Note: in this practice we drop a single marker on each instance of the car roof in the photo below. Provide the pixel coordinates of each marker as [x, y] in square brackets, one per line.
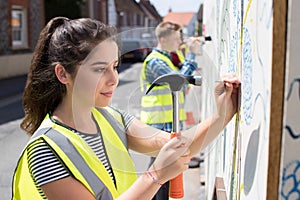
[131, 40]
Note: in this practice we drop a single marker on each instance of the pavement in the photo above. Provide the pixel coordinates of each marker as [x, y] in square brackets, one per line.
[13, 140]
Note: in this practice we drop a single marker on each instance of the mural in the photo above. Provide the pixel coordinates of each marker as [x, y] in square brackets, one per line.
[242, 44]
[255, 103]
[290, 158]
[290, 179]
[243, 39]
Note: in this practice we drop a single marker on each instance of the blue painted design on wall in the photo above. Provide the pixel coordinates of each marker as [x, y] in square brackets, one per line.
[233, 52]
[234, 3]
[265, 13]
[292, 133]
[296, 80]
[247, 77]
[290, 178]
[290, 130]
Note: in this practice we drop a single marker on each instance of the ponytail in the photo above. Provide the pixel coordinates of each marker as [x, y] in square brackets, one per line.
[37, 90]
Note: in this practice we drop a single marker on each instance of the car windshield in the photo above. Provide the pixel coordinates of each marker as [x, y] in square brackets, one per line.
[130, 46]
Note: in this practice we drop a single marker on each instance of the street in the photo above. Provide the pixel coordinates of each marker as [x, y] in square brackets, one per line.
[11, 92]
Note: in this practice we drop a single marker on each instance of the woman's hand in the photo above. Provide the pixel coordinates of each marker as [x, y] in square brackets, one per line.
[227, 93]
[172, 159]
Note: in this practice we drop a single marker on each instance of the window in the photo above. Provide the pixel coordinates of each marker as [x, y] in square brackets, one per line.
[19, 27]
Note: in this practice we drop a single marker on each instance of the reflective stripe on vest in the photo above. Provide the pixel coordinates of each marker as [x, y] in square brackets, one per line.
[180, 55]
[81, 160]
[121, 162]
[111, 115]
[89, 178]
[157, 105]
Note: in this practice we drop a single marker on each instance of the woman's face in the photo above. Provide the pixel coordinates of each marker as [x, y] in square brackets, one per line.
[97, 77]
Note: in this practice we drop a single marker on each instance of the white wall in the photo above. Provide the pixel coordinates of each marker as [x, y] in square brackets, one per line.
[290, 157]
[241, 34]
[14, 65]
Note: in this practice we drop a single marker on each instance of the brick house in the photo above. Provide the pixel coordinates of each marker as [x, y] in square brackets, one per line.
[153, 18]
[20, 24]
[22, 21]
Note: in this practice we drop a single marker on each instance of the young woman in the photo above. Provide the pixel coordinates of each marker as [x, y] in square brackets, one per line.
[79, 144]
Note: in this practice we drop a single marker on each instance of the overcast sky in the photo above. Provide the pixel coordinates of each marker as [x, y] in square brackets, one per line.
[162, 6]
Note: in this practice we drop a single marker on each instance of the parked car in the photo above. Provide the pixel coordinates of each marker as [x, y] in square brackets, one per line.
[135, 50]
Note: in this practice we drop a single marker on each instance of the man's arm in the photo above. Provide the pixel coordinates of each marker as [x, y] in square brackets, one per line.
[157, 67]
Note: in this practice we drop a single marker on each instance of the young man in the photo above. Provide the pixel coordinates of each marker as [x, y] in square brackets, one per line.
[157, 106]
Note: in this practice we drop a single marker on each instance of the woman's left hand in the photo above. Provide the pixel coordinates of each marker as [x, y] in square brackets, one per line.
[227, 93]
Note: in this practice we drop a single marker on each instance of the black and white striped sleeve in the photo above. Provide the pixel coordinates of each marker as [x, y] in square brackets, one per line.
[44, 165]
[127, 118]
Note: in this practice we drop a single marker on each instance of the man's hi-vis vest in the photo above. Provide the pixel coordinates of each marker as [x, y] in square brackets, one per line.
[157, 105]
[180, 55]
[182, 52]
[80, 159]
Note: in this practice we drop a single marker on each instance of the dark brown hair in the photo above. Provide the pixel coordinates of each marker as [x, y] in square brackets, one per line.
[62, 41]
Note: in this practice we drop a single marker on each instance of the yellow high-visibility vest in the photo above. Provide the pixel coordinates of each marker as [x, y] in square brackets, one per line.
[157, 104]
[80, 159]
[182, 52]
[180, 55]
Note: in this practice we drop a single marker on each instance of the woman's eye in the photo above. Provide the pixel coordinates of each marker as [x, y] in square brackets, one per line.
[101, 70]
[116, 67]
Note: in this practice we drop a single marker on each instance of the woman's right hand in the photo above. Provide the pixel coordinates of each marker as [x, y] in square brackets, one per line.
[172, 159]
[227, 97]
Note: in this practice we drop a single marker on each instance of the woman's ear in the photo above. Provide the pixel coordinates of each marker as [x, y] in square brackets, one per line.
[61, 74]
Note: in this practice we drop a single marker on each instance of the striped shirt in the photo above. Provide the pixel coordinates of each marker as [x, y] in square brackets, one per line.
[45, 166]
